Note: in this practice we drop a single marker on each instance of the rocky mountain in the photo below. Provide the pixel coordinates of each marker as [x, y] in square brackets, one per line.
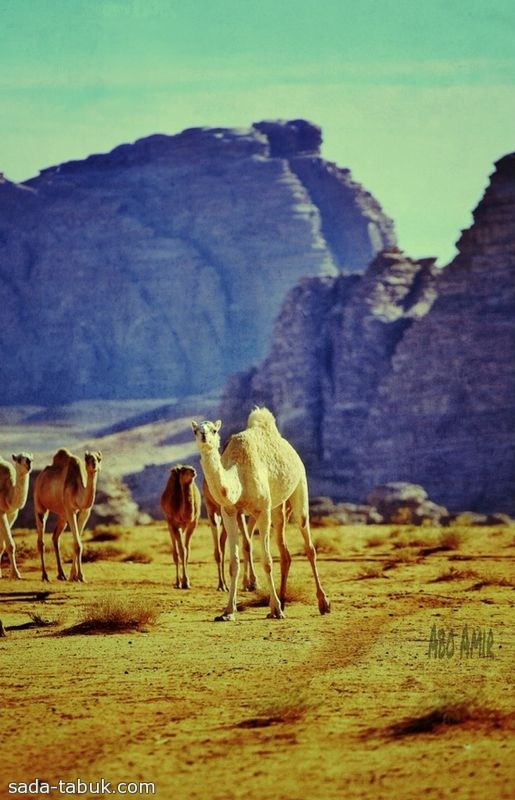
[406, 373]
[157, 269]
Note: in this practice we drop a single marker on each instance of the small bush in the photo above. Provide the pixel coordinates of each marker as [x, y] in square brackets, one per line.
[328, 543]
[448, 713]
[105, 553]
[491, 580]
[115, 615]
[138, 557]
[370, 571]
[106, 533]
[376, 540]
[453, 574]
[286, 710]
[451, 539]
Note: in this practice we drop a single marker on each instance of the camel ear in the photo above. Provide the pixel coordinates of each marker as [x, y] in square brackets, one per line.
[217, 425]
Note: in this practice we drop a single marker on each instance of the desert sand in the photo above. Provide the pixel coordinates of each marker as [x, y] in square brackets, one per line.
[379, 699]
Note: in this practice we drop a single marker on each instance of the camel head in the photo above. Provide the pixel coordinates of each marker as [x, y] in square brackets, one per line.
[206, 433]
[24, 460]
[93, 461]
[185, 473]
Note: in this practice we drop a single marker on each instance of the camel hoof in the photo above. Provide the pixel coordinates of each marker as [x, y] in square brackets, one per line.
[62, 577]
[275, 613]
[324, 606]
[225, 618]
[45, 578]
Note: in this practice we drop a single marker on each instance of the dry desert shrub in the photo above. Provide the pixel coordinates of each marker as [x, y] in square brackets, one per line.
[112, 614]
[106, 533]
[457, 712]
[323, 522]
[102, 553]
[417, 538]
[453, 574]
[404, 555]
[376, 540]
[492, 580]
[371, 571]
[451, 539]
[138, 557]
[328, 543]
[289, 708]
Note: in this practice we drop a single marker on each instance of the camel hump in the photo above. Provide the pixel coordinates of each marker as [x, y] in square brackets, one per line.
[61, 458]
[75, 474]
[7, 475]
[261, 417]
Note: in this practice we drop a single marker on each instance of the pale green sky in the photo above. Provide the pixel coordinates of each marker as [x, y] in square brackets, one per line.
[417, 98]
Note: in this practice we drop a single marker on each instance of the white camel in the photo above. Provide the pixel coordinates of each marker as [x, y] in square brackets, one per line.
[14, 488]
[66, 488]
[219, 533]
[257, 473]
[180, 503]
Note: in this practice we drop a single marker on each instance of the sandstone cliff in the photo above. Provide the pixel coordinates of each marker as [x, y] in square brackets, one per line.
[406, 373]
[158, 269]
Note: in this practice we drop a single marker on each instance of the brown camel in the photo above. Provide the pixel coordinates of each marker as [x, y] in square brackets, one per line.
[14, 487]
[66, 488]
[180, 503]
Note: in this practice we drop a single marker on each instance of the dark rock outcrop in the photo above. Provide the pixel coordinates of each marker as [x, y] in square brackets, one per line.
[406, 373]
[157, 269]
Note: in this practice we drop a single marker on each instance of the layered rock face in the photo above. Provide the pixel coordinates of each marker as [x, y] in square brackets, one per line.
[406, 373]
[158, 269]
[445, 413]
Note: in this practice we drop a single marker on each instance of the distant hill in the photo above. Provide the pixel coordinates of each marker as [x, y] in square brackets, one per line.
[405, 373]
[157, 269]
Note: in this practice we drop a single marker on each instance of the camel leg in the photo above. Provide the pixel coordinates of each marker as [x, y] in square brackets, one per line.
[229, 519]
[9, 544]
[59, 528]
[174, 534]
[76, 570]
[278, 522]
[263, 523]
[250, 581]
[217, 531]
[300, 509]
[184, 551]
[41, 518]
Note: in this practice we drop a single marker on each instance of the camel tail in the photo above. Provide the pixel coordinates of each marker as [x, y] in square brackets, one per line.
[261, 417]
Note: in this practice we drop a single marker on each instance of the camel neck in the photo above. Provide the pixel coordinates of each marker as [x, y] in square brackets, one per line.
[21, 489]
[224, 484]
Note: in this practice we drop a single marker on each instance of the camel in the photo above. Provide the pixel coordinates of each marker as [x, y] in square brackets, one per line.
[214, 516]
[180, 503]
[14, 488]
[66, 488]
[257, 473]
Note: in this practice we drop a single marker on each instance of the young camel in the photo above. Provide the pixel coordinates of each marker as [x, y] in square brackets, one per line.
[257, 473]
[214, 516]
[180, 503]
[14, 488]
[66, 488]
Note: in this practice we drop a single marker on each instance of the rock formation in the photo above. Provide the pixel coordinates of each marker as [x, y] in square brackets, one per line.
[406, 373]
[157, 269]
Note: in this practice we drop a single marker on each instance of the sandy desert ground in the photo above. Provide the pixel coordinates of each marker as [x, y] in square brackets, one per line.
[362, 703]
